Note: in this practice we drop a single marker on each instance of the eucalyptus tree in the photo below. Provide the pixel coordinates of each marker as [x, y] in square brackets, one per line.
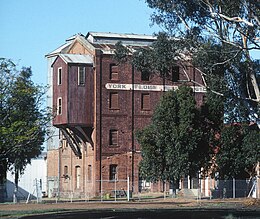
[24, 119]
[231, 26]
[239, 151]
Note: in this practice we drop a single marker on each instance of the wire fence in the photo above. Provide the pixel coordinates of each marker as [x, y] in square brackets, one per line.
[114, 190]
[119, 190]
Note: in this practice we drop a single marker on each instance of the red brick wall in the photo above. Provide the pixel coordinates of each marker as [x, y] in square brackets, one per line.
[127, 153]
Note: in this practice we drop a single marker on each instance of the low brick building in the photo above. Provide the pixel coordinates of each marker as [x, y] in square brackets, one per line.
[98, 106]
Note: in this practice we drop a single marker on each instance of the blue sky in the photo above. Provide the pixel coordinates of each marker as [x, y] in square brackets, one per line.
[32, 28]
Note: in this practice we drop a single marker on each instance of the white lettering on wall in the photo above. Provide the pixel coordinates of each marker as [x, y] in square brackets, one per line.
[148, 87]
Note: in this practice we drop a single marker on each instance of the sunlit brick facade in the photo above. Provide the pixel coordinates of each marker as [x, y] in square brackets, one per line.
[98, 106]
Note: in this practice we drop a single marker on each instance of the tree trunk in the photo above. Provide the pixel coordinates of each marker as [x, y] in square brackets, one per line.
[3, 170]
[16, 177]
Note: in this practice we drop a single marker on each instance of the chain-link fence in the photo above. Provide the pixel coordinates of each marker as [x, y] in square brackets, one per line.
[114, 190]
[203, 189]
[229, 188]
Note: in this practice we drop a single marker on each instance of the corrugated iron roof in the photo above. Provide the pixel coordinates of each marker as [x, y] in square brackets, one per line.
[121, 35]
[103, 40]
[76, 58]
[113, 38]
[59, 49]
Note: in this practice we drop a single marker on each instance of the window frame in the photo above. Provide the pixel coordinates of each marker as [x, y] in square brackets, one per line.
[59, 76]
[59, 106]
[112, 104]
[113, 172]
[113, 142]
[89, 173]
[77, 177]
[81, 77]
[113, 76]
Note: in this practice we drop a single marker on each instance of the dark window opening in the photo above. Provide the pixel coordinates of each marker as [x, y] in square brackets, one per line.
[145, 76]
[113, 137]
[81, 76]
[113, 172]
[175, 73]
[59, 76]
[59, 108]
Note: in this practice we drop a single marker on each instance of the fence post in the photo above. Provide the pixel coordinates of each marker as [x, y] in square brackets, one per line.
[234, 188]
[70, 190]
[101, 195]
[128, 187]
[115, 189]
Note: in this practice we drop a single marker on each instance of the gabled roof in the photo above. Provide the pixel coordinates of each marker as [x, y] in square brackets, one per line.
[104, 41]
[62, 49]
[82, 40]
[75, 59]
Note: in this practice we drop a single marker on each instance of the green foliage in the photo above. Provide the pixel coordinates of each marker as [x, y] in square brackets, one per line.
[121, 52]
[239, 151]
[23, 118]
[218, 35]
[173, 140]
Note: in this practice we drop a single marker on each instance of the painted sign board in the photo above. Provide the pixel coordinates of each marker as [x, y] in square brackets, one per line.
[149, 87]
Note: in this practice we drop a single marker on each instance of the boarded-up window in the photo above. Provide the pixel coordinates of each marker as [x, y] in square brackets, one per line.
[113, 72]
[59, 76]
[113, 101]
[59, 106]
[113, 172]
[145, 102]
[81, 76]
[89, 172]
[175, 73]
[113, 137]
[65, 170]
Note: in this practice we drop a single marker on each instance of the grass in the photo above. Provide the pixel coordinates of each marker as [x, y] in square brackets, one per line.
[22, 213]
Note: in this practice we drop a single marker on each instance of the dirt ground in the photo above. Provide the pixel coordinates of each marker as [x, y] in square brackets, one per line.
[148, 204]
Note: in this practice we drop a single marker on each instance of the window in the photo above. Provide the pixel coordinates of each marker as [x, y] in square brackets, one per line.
[113, 101]
[113, 137]
[89, 172]
[113, 72]
[145, 102]
[77, 171]
[175, 73]
[81, 76]
[145, 76]
[113, 172]
[59, 79]
[65, 172]
[59, 106]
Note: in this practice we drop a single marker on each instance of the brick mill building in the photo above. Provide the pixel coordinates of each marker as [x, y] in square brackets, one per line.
[98, 106]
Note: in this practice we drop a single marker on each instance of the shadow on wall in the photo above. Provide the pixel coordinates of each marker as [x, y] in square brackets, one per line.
[7, 192]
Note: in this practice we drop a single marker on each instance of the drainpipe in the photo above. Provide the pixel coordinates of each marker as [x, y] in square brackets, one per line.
[100, 121]
[133, 146]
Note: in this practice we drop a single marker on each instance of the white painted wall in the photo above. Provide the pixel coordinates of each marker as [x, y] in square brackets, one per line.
[36, 170]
